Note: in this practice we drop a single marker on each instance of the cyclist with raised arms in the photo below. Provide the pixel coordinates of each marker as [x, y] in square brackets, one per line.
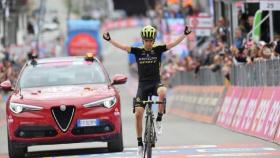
[148, 58]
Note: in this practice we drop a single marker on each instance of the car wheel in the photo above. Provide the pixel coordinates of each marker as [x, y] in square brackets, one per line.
[117, 144]
[16, 151]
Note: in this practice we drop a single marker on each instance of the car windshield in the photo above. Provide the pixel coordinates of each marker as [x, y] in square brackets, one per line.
[59, 74]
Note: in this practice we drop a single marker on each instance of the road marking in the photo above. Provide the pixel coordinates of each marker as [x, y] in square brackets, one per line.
[205, 146]
[205, 151]
[219, 150]
[236, 154]
[241, 145]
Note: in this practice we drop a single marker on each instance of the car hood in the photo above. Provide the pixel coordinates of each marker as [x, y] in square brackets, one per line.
[65, 93]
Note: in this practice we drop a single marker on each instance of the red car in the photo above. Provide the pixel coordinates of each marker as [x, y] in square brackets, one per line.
[63, 100]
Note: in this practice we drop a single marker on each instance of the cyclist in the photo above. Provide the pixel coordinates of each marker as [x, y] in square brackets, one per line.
[148, 58]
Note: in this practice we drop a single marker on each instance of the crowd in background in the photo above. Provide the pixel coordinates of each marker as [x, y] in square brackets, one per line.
[218, 55]
[13, 57]
[9, 68]
[10, 65]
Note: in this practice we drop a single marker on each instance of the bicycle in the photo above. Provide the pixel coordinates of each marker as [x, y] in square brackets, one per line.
[150, 136]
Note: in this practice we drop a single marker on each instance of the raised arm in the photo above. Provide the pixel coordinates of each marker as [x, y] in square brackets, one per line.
[179, 39]
[107, 37]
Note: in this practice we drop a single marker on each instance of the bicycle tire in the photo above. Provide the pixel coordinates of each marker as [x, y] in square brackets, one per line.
[148, 137]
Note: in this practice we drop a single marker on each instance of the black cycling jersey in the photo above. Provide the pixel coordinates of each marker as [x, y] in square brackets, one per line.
[148, 62]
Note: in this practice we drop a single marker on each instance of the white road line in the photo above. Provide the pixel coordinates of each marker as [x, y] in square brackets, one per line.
[233, 155]
[269, 149]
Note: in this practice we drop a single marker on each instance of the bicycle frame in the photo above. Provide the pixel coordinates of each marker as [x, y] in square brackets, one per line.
[150, 133]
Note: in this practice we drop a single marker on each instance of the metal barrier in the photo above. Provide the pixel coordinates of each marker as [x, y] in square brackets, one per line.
[204, 76]
[260, 73]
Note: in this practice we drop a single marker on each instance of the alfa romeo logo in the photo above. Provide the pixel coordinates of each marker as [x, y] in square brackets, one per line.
[62, 107]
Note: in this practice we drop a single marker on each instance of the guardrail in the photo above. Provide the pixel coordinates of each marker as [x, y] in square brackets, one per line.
[251, 105]
[204, 76]
[260, 73]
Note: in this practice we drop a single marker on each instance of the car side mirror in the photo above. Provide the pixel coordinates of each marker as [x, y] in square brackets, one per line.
[6, 85]
[119, 79]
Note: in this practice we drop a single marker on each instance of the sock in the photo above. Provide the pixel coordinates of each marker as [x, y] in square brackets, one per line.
[140, 142]
[159, 117]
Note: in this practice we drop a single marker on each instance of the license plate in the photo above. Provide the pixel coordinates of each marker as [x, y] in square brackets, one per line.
[87, 122]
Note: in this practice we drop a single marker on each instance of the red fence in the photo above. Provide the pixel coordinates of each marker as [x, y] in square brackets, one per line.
[251, 110]
[197, 102]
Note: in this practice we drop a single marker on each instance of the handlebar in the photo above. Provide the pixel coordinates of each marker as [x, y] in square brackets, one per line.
[149, 102]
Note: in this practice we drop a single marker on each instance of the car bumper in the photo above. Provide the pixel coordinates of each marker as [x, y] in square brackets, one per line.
[104, 138]
[40, 127]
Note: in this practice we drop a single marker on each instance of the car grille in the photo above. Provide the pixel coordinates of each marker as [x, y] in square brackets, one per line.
[63, 116]
[35, 131]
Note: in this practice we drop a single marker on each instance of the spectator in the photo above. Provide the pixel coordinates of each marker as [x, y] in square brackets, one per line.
[239, 39]
[191, 63]
[252, 52]
[239, 56]
[6, 71]
[243, 24]
[221, 30]
[268, 51]
[261, 47]
[227, 67]
[250, 24]
[277, 48]
[216, 66]
[209, 53]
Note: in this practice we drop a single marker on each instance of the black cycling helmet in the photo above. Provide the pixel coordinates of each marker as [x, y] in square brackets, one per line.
[149, 32]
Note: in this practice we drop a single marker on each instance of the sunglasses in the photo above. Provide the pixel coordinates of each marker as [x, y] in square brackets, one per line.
[148, 40]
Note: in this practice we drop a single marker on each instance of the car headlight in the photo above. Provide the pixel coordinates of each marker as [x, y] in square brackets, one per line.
[18, 108]
[107, 102]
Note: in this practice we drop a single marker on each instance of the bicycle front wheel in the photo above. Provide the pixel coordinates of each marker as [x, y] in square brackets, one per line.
[148, 137]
